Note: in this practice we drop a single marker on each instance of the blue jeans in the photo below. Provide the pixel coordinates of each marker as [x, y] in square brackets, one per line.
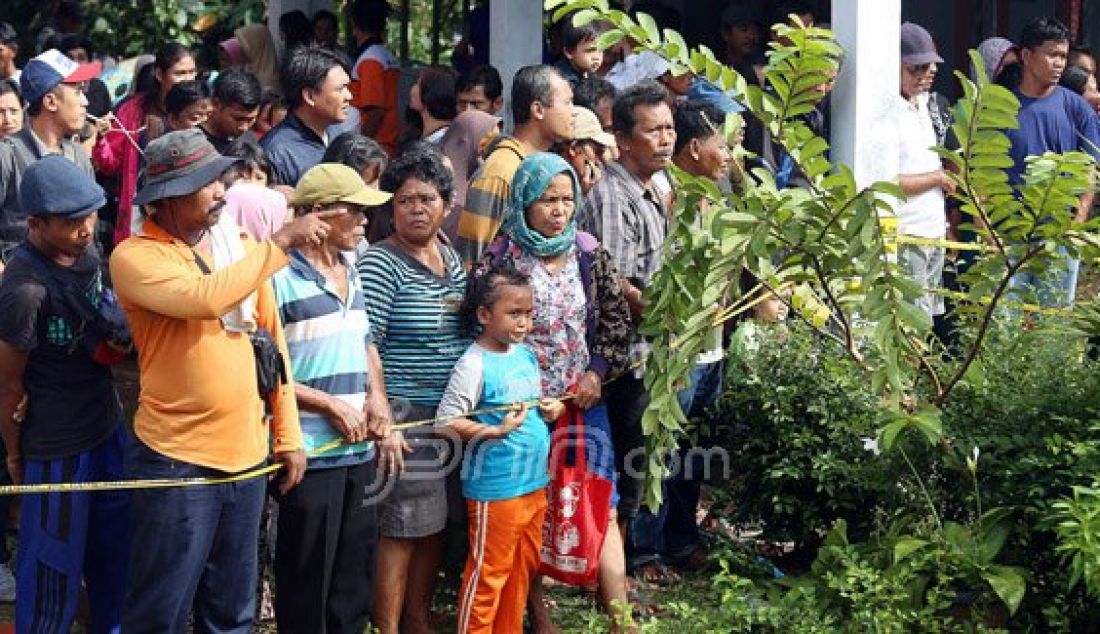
[69, 538]
[194, 549]
[1056, 289]
[672, 531]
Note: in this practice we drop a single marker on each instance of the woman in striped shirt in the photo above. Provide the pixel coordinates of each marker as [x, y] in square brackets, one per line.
[413, 284]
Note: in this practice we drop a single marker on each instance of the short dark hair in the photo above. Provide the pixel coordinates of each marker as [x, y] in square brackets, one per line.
[251, 154]
[1076, 53]
[797, 7]
[369, 15]
[184, 94]
[1075, 78]
[591, 90]
[1042, 29]
[325, 14]
[424, 162]
[238, 87]
[644, 93]
[531, 84]
[696, 120]
[573, 36]
[8, 34]
[356, 151]
[69, 41]
[437, 92]
[307, 67]
[296, 28]
[486, 76]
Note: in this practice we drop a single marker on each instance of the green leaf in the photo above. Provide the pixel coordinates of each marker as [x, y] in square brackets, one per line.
[609, 38]
[1009, 584]
[653, 33]
[906, 546]
[889, 435]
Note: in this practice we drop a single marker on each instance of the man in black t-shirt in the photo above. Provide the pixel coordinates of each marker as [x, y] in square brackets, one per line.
[70, 431]
[237, 96]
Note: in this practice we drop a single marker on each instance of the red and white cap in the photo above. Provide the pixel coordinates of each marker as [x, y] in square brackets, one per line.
[51, 68]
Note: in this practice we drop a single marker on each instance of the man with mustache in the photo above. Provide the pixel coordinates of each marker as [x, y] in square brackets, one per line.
[671, 535]
[197, 294]
[920, 172]
[627, 211]
[1052, 119]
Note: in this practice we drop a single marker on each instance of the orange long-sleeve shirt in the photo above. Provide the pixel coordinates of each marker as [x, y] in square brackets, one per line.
[199, 401]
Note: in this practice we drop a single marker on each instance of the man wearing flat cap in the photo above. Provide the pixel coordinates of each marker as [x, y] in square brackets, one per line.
[197, 295]
[71, 431]
[328, 526]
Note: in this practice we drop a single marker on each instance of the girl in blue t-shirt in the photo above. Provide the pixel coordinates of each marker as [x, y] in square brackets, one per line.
[504, 473]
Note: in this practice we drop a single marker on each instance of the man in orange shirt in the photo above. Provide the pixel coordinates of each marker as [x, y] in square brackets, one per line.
[195, 293]
[374, 77]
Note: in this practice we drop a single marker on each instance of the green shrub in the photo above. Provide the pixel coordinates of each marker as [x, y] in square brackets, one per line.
[797, 420]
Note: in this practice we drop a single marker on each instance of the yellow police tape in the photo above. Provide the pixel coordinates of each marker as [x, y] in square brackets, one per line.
[167, 483]
[947, 244]
[733, 311]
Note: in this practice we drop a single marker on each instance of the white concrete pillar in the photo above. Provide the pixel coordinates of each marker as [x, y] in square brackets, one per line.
[515, 40]
[864, 115]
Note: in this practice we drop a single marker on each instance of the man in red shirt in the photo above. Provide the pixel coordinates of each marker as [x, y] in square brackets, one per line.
[375, 74]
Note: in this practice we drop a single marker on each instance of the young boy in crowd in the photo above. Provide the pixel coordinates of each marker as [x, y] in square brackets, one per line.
[581, 57]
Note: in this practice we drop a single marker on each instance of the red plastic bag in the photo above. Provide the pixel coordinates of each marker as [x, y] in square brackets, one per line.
[579, 507]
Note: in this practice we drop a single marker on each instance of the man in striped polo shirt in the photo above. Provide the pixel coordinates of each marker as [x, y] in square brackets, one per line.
[328, 525]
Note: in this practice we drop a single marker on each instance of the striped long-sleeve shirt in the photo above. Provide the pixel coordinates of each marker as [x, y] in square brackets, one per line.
[414, 319]
[487, 200]
[327, 337]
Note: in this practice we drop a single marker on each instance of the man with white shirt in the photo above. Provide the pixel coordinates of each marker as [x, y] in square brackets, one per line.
[920, 172]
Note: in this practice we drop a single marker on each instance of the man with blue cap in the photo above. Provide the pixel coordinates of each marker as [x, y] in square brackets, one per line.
[52, 293]
[53, 87]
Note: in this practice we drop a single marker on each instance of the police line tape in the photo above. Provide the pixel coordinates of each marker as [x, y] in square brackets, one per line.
[725, 315]
[170, 483]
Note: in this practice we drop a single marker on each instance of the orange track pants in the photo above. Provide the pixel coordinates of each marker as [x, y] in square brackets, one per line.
[505, 539]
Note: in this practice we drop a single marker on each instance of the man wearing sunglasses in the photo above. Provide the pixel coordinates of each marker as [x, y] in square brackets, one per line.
[53, 87]
[920, 172]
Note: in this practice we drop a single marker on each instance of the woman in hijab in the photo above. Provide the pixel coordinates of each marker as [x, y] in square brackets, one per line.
[579, 329]
[470, 133]
[1000, 59]
[256, 44]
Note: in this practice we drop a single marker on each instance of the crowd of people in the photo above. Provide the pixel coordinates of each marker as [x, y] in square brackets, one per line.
[416, 315]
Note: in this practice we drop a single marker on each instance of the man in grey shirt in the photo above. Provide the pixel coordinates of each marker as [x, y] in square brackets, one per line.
[53, 86]
[627, 211]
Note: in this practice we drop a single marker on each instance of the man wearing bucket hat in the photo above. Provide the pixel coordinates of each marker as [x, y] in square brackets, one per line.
[328, 525]
[53, 87]
[71, 431]
[197, 294]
